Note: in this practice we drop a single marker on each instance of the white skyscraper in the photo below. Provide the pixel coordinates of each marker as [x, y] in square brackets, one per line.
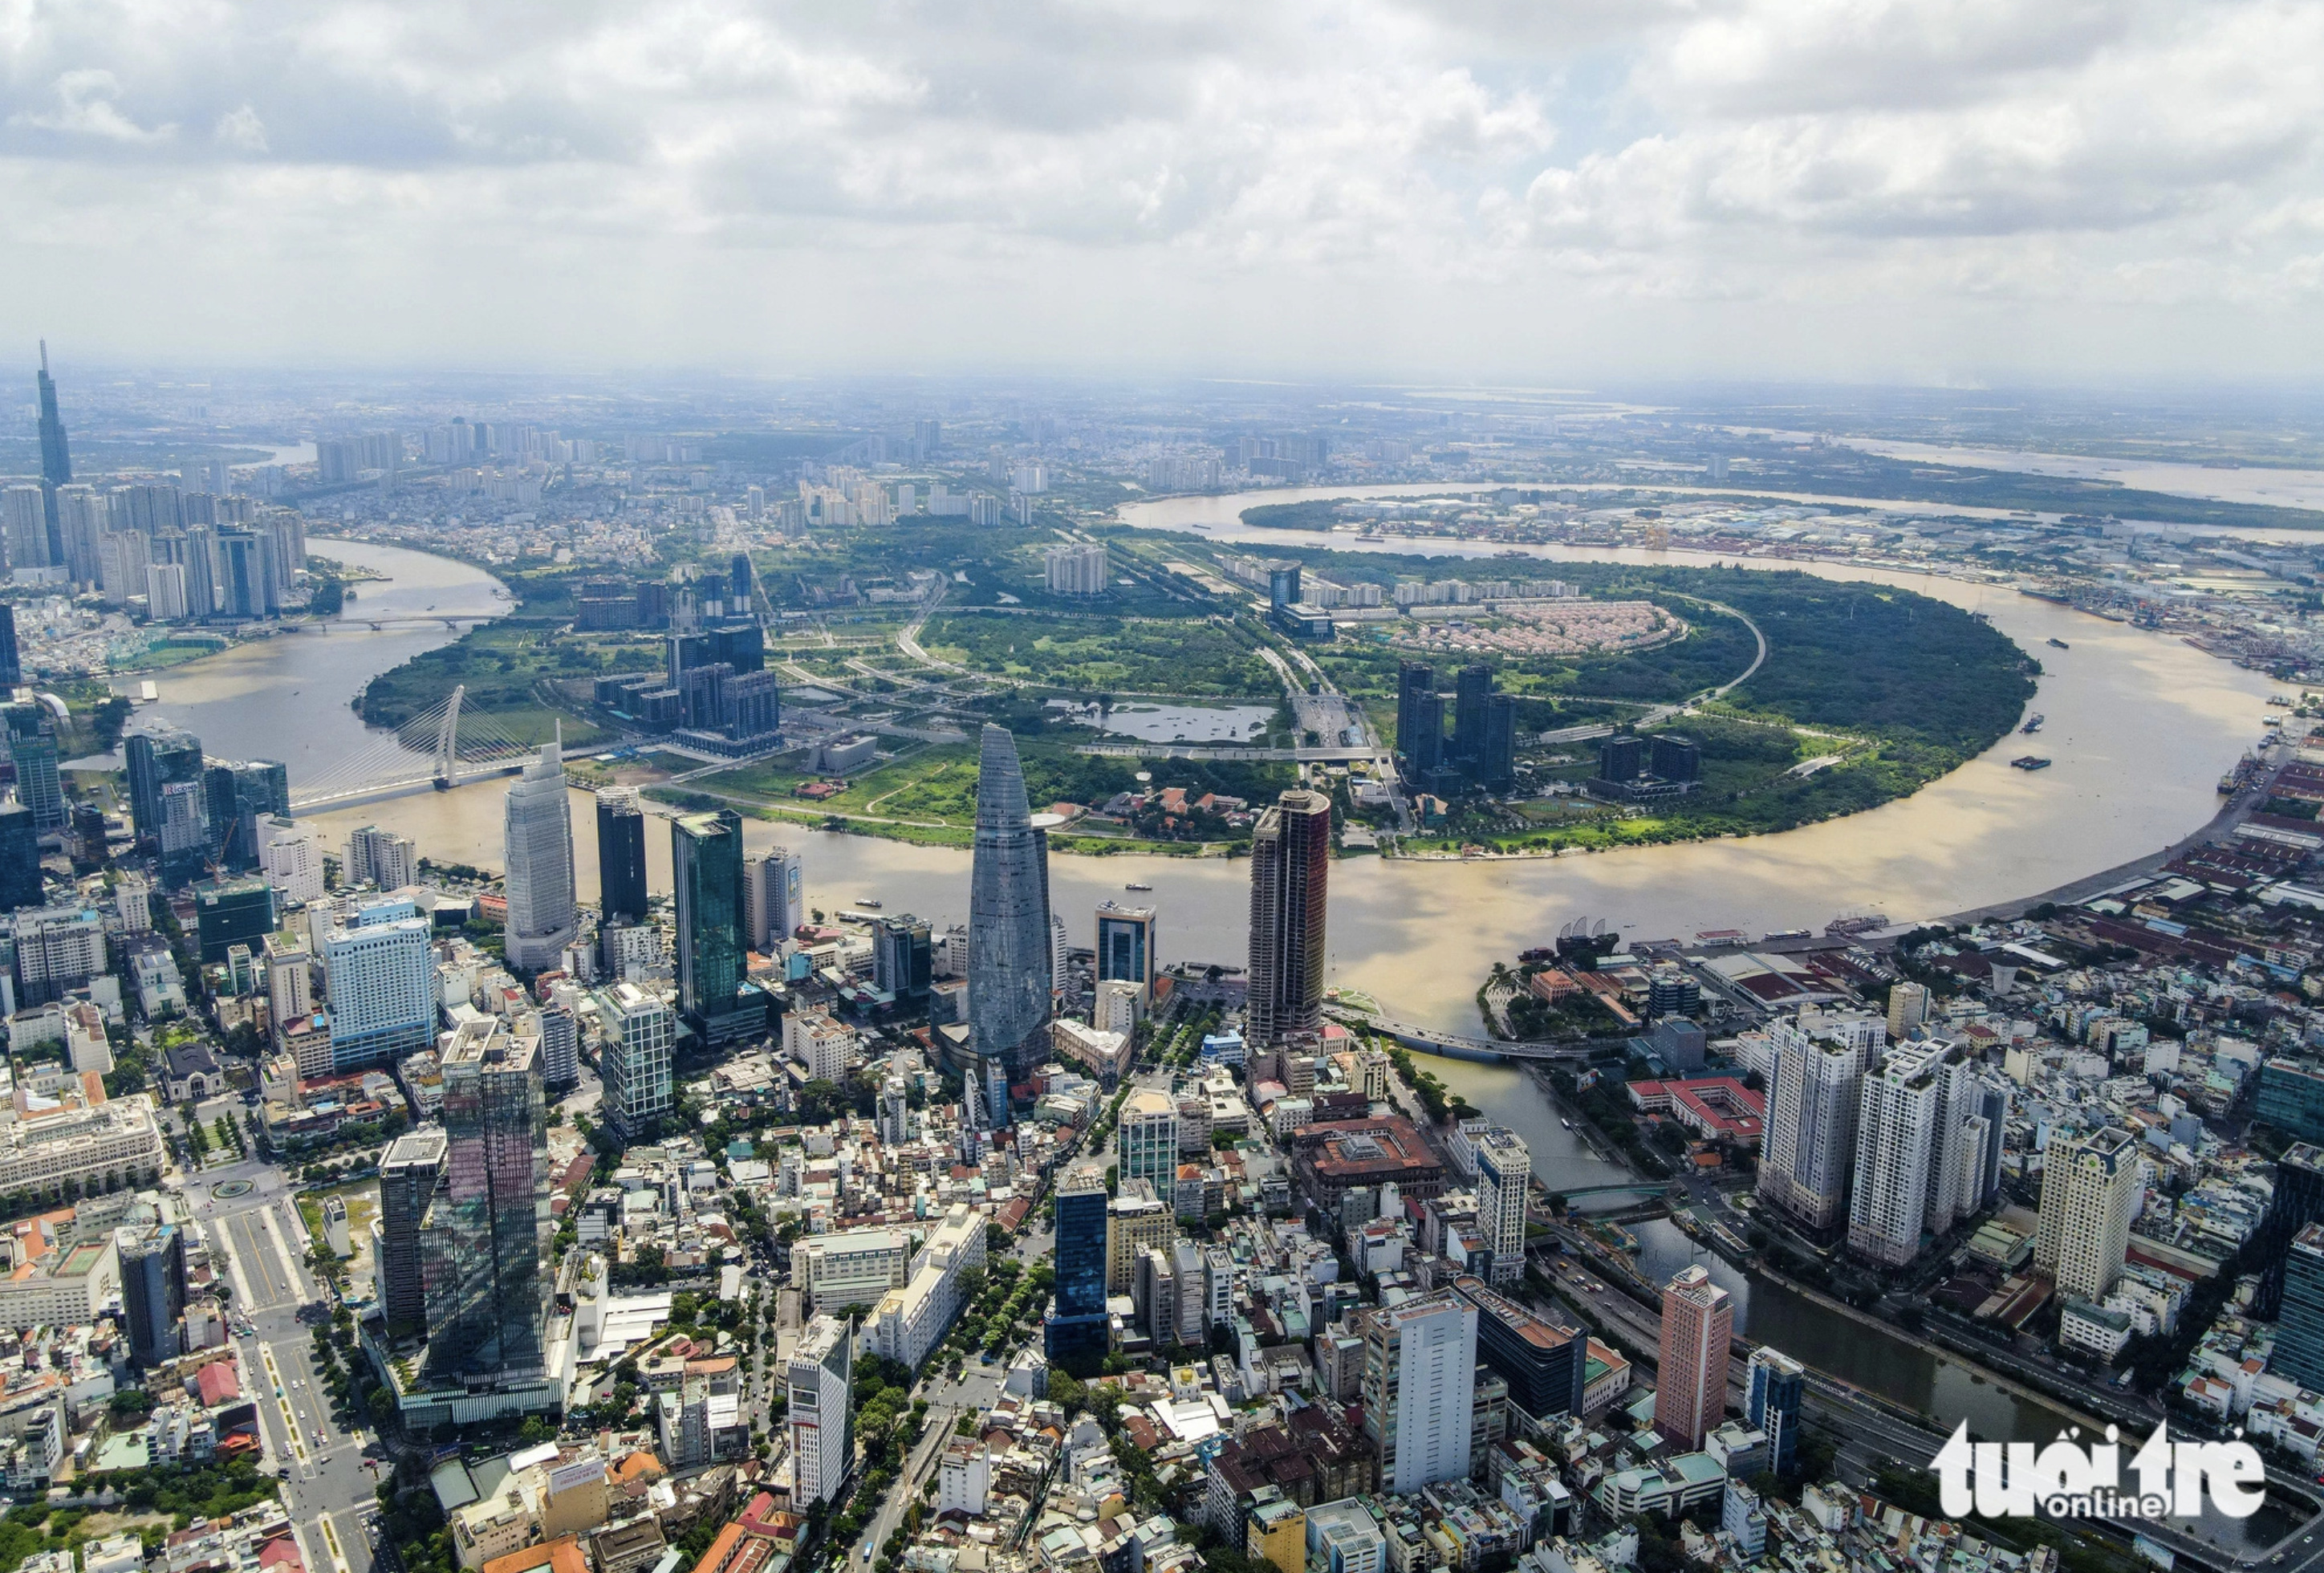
[775, 901]
[1504, 1165]
[1896, 1130]
[820, 1376]
[2090, 1191]
[538, 823]
[375, 856]
[381, 982]
[1419, 1386]
[1812, 1102]
[1148, 1140]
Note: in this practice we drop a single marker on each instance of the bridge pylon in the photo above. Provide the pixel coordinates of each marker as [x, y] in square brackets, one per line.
[448, 742]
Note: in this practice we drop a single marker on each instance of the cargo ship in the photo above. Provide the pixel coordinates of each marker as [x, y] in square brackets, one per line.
[2029, 762]
[2033, 725]
[2059, 645]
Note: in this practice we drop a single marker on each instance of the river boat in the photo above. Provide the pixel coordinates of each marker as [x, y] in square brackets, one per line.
[869, 901]
[2029, 762]
[2033, 725]
[1567, 1124]
[2059, 645]
[1134, 884]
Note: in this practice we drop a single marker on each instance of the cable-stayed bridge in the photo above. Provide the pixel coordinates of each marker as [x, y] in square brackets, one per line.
[442, 748]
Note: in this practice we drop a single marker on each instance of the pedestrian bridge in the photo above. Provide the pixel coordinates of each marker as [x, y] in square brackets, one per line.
[440, 748]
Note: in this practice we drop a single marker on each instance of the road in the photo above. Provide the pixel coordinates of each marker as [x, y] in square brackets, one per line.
[330, 1474]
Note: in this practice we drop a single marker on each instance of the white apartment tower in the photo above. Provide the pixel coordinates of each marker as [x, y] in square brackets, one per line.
[1895, 1132]
[1419, 1385]
[1504, 1165]
[820, 1377]
[1078, 568]
[377, 857]
[1813, 1098]
[543, 915]
[2090, 1190]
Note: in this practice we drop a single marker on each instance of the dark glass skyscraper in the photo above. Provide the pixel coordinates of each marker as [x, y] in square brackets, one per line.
[408, 1178]
[485, 1235]
[1009, 959]
[706, 855]
[621, 854]
[56, 456]
[1495, 765]
[236, 796]
[156, 759]
[153, 1290]
[20, 856]
[12, 662]
[1076, 1335]
[1469, 689]
[2299, 1201]
[1290, 867]
[1419, 715]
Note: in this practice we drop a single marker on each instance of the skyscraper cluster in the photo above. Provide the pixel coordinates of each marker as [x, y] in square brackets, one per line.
[184, 554]
[1482, 752]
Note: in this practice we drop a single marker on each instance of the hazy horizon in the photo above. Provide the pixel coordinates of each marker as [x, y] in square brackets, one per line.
[1843, 191]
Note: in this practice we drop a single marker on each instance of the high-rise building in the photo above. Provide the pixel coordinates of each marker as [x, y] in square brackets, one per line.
[706, 858]
[1076, 569]
[1471, 685]
[55, 454]
[775, 902]
[1148, 1135]
[1773, 1392]
[376, 857]
[291, 857]
[1125, 947]
[1494, 765]
[153, 1260]
[408, 1178]
[19, 856]
[2300, 1327]
[1895, 1134]
[1419, 1382]
[903, 958]
[1504, 1168]
[24, 528]
[380, 979]
[1136, 1220]
[12, 662]
[536, 827]
[1419, 717]
[2091, 1186]
[228, 913]
[1546, 1365]
[820, 1378]
[1690, 1374]
[484, 1242]
[1290, 870]
[621, 854]
[1908, 1007]
[1813, 1098]
[2299, 1201]
[1076, 1336]
[235, 796]
[641, 1034]
[1010, 977]
[32, 746]
[289, 980]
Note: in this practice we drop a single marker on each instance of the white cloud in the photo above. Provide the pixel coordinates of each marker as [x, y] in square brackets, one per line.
[1445, 184]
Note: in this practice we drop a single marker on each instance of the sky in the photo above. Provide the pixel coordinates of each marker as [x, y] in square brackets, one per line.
[1897, 191]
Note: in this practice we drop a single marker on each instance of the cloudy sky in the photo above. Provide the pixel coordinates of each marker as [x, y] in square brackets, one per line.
[1923, 191]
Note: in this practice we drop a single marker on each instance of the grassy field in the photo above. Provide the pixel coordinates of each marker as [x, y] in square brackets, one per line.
[1099, 654]
[523, 672]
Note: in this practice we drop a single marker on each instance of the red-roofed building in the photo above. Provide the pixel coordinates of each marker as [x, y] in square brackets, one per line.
[282, 1552]
[1717, 1108]
[218, 1383]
